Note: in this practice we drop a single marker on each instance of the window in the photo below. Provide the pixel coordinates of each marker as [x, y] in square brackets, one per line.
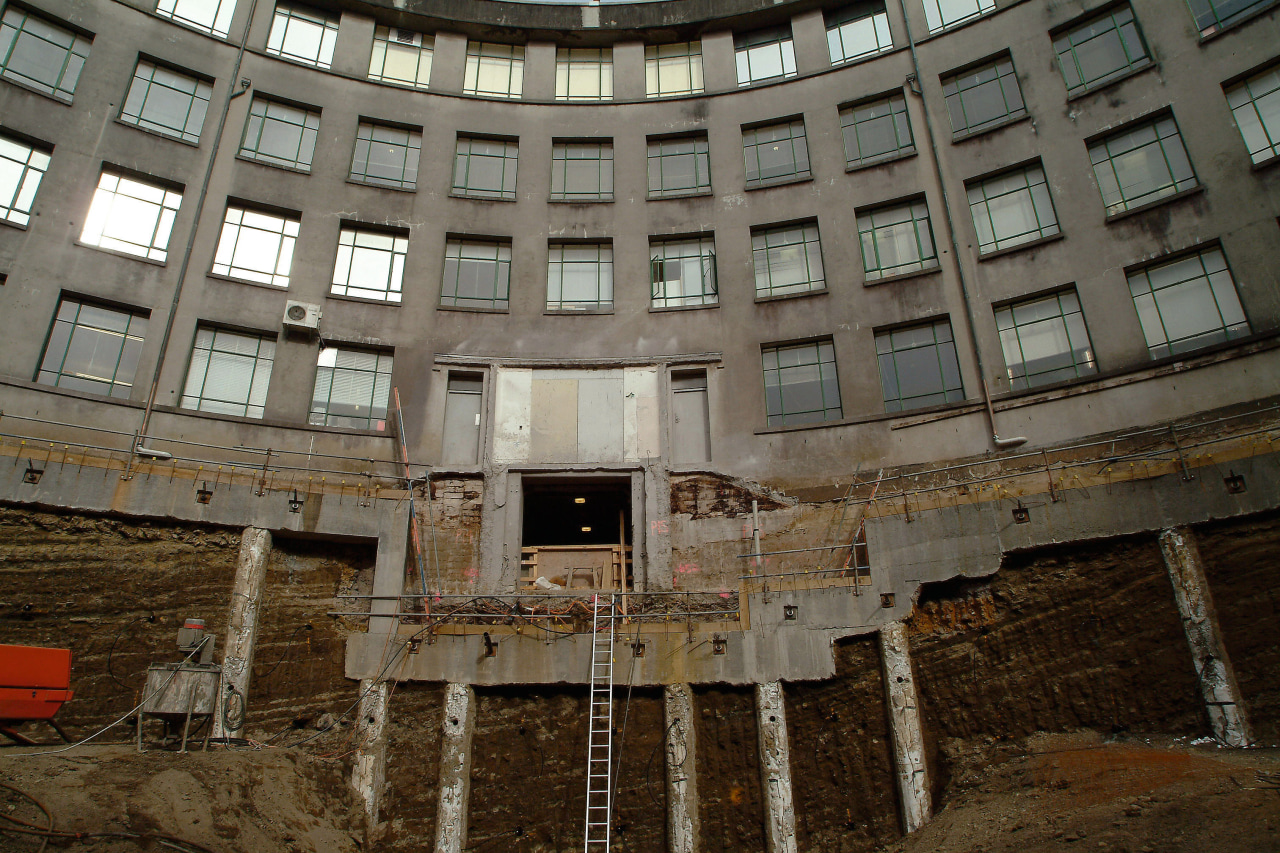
[1045, 340]
[775, 153]
[168, 102]
[370, 264]
[800, 384]
[402, 57]
[303, 34]
[673, 69]
[352, 387]
[787, 260]
[1187, 303]
[477, 274]
[1141, 165]
[1100, 49]
[858, 31]
[896, 240]
[255, 246]
[485, 168]
[21, 168]
[386, 156]
[1012, 208]
[580, 277]
[876, 130]
[584, 74]
[229, 372]
[92, 348]
[212, 16]
[940, 14]
[918, 367]
[679, 166]
[1213, 15]
[682, 273]
[494, 70]
[281, 135]
[983, 97]
[764, 55]
[131, 216]
[582, 171]
[38, 53]
[1256, 105]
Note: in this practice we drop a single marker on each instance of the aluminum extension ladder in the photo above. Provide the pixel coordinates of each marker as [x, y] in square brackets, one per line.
[600, 728]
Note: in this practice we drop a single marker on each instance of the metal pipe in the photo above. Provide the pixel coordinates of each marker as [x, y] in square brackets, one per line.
[795, 551]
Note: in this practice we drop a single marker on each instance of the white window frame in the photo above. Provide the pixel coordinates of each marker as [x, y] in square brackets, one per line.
[224, 356]
[131, 216]
[563, 256]
[758, 54]
[1200, 281]
[362, 377]
[107, 341]
[165, 83]
[693, 262]
[303, 34]
[370, 264]
[394, 47]
[673, 70]
[486, 63]
[1259, 127]
[256, 246]
[584, 73]
[22, 167]
[1012, 208]
[853, 34]
[896, 239]
[211, 16]
[22, 30]
[941, 14]
[779, 247]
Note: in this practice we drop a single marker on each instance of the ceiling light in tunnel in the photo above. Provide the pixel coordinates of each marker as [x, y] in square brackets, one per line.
[579, 500]
[586, 529]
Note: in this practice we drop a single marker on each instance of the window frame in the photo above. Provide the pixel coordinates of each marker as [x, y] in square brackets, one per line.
[455, 249]
[19, 200]
[197, 103]
[75, 51]
[868, 217]
[122, 196]
[380, 388]
[560, 168]
[701, 155]
[775, 403]
[950, 393]
[983, 191]
[308, 19]
[571, 59]
[556, 267]
[809, 245]
[1085, 29]
[219, 24]
[1010, 329]
[1100, 153]
[264, 341]
[367, 133]
[510, 157]
[129, 333]
[676, 251]
[382, 36]
[1270, 133]
[896, 102]
[1207, 336]
[752, 47]
[797, 142]
[287, 235]
[682, 59]
[268, 115]
[972, 78]
[483, 53]
[360, 248]
[1217, 23]
[842, 25]
[936, 18]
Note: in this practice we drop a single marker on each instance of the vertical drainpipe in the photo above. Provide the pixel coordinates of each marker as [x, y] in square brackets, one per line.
[235, 80]
[917, 88]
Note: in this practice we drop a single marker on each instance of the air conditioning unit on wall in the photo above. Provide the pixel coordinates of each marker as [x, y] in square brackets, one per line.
[301, 316]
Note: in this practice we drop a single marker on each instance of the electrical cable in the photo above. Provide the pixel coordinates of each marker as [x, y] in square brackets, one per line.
[304, 627]
[232, 722]
[648, 767]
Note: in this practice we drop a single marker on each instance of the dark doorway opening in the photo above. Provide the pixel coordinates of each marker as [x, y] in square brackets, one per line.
[576, 511]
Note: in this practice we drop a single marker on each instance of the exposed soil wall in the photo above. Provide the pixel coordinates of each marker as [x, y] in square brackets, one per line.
[1075, 637]
[640, 795]
[115, 592]
[298, 666]
[413, 766]
[730, 800]
[1242, 564]
[842, 756]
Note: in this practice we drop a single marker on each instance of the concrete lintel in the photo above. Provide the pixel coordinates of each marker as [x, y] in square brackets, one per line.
[1213, 667]
[682, 774]
[905, 724]
[368, 773]
[242, 627]
[775, 768]
[455, 768]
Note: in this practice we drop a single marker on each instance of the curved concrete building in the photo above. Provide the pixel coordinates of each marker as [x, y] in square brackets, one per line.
[804, 335]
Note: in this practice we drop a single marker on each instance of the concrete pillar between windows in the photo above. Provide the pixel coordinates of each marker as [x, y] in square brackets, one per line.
[242, 632]
[682, 776]
[905, 724]
[775, 768]
[368, 774]
[455, 768]
[1200, 621]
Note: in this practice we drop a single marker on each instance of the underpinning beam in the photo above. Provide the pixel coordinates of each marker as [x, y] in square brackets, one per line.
[1217, 678]
[904, 722]
[682, 778]
[242, 631]
[455, 768]
[775, 768]
[368, 774]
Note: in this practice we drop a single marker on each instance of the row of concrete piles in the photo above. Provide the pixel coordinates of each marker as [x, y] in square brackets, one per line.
[1182, 558]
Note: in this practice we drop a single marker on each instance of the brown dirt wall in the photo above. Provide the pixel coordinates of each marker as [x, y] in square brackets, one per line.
[842, 756]
[413, 766]
[1242, 564]
[730, 797]
[1085, 636]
